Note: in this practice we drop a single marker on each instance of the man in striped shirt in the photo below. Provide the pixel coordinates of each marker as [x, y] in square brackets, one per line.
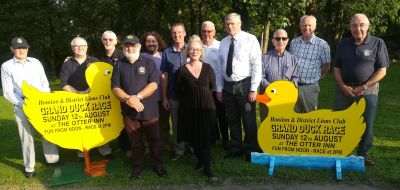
[314, 59]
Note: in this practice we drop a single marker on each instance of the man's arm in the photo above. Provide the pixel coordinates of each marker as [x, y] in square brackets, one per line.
[164, 90]
[376, 77]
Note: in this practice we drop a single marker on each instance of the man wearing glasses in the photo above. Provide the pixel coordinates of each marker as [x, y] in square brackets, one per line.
[211, 47]
[277, 64]
[110, 54]
[361, 62]
[314, 59]
[72, 76]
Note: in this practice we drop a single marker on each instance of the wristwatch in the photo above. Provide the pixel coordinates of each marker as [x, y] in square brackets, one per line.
[365, 86]
[139, 97]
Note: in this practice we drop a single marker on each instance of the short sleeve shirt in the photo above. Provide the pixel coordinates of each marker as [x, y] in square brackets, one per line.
[359, 62]
[132, 78]
[72, 73]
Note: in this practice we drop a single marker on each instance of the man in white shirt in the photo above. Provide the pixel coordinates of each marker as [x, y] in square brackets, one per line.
[240, 59]
[211, 48]
[13, 72]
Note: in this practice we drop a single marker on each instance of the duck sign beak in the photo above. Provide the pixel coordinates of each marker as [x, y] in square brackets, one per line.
[263, 98]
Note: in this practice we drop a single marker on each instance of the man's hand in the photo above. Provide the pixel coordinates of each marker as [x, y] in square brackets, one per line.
[252, 96]
[165, 104]
[347, 90]
[359, 90]
[220, 96]
[135, 103]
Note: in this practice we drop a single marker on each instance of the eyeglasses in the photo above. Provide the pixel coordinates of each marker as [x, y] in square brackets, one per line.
[362, 25]
[194, 50]
[79, 46]
[207, 31]
[280, 38]
[108, 39]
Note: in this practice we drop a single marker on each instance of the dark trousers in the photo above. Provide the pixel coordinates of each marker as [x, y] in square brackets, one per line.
[239, 110]
[123, 141]
[165, 127]
[203, 155]
[135, 130]
[222, 129]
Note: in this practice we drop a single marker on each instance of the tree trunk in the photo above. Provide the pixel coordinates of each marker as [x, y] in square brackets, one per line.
[265, 37]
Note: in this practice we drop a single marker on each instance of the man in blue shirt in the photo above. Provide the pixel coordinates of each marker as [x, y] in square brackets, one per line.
[361, 62]
[314, 59]
[171, 60]
[277, 64]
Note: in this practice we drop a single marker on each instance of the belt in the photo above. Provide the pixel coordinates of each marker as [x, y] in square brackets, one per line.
[238, 82]
[303, 84]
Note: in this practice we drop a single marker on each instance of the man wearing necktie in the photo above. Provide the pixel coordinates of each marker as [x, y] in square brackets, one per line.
[237, 83]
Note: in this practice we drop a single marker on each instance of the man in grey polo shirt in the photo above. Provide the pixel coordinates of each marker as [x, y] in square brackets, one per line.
[314, 59]
[361, 62]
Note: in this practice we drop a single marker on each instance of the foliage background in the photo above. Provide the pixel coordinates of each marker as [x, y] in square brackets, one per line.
[50, 25]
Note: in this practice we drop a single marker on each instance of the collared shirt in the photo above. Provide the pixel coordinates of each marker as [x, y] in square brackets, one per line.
[113, 59]
[276, 68]
[157, 60]
[171, 61]
[358, 63]
[72, 73]
[132, 78]
[246, 60]
[312, 55]
[211, 57]
[14, 72]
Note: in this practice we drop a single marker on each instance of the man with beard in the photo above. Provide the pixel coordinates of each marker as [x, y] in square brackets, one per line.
[134, 82]
[153, 47]
[73, 79]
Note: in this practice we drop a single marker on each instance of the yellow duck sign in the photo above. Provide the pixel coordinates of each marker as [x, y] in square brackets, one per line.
[317, 133]
[77, 121]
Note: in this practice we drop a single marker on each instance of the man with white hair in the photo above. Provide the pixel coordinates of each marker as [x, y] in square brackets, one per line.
[361, 62]
[240, 58]
[134, 81]
[73, 79]
[314, 60]
[211, 48]
[13, 72]
[110, 54]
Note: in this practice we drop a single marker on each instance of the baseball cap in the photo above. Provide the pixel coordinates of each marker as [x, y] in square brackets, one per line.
[131, 39]
[19, 42]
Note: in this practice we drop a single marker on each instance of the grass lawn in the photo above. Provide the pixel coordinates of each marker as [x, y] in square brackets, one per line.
[385, 152]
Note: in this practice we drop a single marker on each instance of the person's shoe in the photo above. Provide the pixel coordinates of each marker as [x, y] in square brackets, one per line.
[368, 161]
[135, 175]
[211, 177]
[161, 172]
[54, 164]
[29, 174]
[175, 157]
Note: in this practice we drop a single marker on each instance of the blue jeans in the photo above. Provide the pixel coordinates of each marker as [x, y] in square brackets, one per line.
[371, 99]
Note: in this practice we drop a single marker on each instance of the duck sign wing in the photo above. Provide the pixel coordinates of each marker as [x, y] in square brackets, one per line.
[76, 121]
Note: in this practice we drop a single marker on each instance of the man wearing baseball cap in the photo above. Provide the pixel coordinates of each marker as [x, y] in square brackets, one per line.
[134, 81]
[13, 72]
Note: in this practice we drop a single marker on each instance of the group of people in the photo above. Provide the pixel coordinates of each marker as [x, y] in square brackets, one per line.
[206, 86]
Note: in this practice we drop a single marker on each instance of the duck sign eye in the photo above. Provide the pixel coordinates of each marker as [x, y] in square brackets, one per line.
[274, 91]
[107, 72]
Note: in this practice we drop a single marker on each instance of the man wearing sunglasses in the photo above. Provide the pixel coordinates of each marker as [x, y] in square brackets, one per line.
[314, 59]
[110, 54]
[277, 64]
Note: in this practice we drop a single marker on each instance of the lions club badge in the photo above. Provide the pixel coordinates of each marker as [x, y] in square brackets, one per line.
[367, 52]
[142, 70]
